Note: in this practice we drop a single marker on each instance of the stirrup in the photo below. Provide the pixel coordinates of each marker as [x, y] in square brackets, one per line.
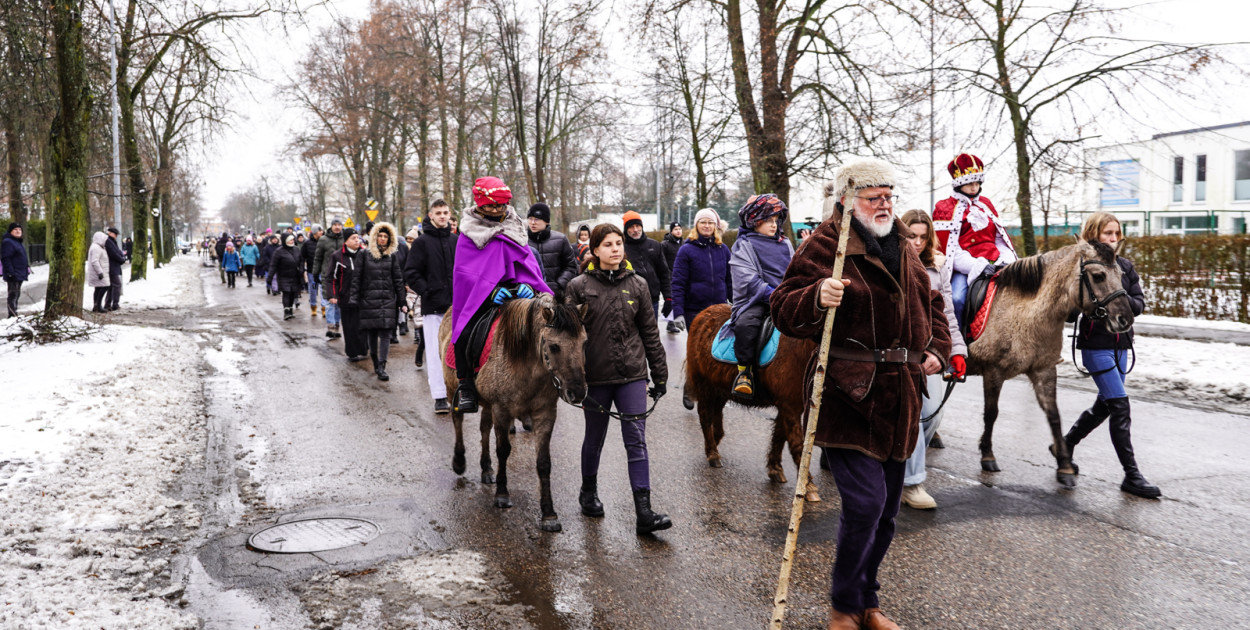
[743, 385]
[466, 397]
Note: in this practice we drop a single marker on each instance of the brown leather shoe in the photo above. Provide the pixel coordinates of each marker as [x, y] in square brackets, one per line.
[874, 619]
[839, 620]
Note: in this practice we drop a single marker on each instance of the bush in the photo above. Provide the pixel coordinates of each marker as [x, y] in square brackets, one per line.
[34, 232]
[1198, 277]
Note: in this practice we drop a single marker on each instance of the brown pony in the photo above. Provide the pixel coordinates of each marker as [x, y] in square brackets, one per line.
[779, 384]
[536, 360]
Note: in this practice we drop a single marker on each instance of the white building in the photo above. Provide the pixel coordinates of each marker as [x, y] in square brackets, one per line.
[1182, 182]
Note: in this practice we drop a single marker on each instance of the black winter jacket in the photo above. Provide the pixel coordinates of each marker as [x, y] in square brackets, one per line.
[622, 337]
[266, 254]
[557, 258]
[378, 290]
[117, 257]
[340, 275]
[1093, 333]
[285, 265]
[308, 253]
[670, 245]
[647, 259]
[431, 261]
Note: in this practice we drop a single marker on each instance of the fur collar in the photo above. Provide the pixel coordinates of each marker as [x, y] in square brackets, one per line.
[481, 230]
[391, 243]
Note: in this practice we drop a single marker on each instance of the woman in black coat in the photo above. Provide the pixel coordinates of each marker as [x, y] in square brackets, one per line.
[379, 293]
[267, 249]
[285, 273]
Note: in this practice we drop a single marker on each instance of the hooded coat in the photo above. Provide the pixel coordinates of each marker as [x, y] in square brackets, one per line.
[647, 258]
[701, 276]
[621, 330]
[757, 264]
[431, 263]
[873, 408]
[670, 245]
[378, 290]
[230, 260]
[98, 261]
[490, 253]
[250, 254]
[284, 265]
[220, 246]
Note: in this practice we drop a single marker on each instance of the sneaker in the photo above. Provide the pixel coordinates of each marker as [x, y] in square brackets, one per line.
[916, 498]
[442, 407]
[743, 386]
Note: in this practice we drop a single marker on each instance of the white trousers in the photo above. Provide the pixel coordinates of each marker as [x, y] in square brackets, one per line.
[433, 362]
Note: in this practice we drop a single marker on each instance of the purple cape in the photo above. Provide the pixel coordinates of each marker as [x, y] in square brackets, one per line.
[479, 271]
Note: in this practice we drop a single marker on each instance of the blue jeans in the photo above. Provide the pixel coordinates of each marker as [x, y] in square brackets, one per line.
[333, 314]
[314, 290]
[959, 294]
[914, 473]
[1110, 383]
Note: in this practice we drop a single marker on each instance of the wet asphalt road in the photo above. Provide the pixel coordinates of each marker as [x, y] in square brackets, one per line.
[295, 430]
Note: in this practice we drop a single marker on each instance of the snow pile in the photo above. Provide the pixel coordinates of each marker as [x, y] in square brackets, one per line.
[92, 436]
[1194, 370]
[174, 283]
[1184, 322]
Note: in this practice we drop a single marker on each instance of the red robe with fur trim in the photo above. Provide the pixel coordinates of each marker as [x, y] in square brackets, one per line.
[977, 243]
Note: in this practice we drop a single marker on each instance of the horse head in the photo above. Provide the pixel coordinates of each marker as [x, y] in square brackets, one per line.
[1101, 294]
[561, 337]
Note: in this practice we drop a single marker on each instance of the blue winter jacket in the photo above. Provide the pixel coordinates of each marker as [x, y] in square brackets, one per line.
[230, 261]
[700, 277]
[758, 264]
[250, 254]
[13, 259]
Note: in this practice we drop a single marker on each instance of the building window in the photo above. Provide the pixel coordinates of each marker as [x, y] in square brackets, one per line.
[1241, 175]
[1178, 179]
[1200, 179]
[1187, 225]
[1239, 225]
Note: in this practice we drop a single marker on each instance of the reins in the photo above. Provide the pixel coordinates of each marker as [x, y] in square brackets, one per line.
[1100, 313]
[555, 380]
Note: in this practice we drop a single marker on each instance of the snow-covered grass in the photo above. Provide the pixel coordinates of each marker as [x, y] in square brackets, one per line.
[1184, 322]
[1193, 370]
[92, 435]
[171, 285]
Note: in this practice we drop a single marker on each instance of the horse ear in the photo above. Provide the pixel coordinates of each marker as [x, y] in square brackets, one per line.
[548, 313]
[581, 310]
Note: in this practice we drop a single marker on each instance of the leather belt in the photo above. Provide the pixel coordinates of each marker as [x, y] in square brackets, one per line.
[889, 355]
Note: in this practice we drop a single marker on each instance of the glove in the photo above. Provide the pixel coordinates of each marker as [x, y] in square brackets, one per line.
[681, 324]
[959, 366]
[500, 295]
[99, 276]
[667, 309]
[657, 392]
[524, 291]
[989, 270]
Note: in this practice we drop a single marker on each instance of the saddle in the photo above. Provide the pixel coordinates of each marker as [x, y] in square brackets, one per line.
[480, 335]
[723, 344]
[976, 313]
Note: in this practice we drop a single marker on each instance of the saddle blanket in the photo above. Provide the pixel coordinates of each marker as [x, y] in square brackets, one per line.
[723, 346]
[450, 357]
[977, 325]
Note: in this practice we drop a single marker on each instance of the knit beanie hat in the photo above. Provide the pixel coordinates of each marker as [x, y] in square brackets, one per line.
[540, 211]
[413, 233]
[707, 213]
[13, 226]
[632, 217]
[673, 225]
[348, 233]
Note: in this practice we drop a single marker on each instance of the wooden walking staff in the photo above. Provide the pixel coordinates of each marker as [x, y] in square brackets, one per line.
[818, 390]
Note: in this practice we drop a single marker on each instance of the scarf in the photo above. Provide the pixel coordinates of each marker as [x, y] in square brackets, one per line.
[885, 248]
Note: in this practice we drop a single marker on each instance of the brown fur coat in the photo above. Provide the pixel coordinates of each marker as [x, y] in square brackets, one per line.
[869, 407]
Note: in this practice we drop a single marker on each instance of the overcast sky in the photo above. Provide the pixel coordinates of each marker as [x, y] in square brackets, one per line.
[263, 126]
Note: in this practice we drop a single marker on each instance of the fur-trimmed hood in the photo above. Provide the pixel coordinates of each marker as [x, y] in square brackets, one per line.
[392, 242]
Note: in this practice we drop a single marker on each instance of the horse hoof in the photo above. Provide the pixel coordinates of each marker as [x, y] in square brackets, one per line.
[714, 462]
[551, 525]
[777, 476]
[488, 477]
[687, 403]
[502, 501]
[1067, 480]
[812, 496]
[990, 465]
[457, 464]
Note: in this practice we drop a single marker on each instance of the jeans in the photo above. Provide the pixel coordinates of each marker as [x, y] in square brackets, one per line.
[631, 401]
[15, 292]
[914, 473]
[1110, 383]
[334, 315]
[433, 358]
[314, 291]
[959, 294]
[870, 492]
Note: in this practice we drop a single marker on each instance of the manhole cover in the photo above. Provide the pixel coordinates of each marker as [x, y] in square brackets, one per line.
[314, 534]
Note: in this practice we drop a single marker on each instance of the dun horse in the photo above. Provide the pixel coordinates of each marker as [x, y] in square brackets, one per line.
[535, 360]
[1024, 331]
[779, 384]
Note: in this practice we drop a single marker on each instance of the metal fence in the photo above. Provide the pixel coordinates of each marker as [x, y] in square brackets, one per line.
[37, 254]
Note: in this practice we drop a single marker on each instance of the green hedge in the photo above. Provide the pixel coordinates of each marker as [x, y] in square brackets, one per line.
[1198, 277]
[33, 232]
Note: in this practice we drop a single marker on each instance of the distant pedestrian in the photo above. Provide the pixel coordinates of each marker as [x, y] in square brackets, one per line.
[336, 286]
[431, 262]
[231, 263]
[308, 255]
[647, 258]
[285, 275]
[582, 246]
[128, 248]
[249, 255]
[98, 271]
[116, 258]
[1105, 356]
[219, 248]
[622, 342]
[670, 245]
[701, 273]
[267, 250]
[15, 264]
[327, 245]
[552, 249]
[378, 292]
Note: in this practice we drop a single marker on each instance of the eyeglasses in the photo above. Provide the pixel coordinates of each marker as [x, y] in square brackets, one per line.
[883, 200]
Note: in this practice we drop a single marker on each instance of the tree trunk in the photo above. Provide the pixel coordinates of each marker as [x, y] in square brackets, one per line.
[423, 162]
[1019, 134]
[158, 247]
[69, 143]
[13, 145]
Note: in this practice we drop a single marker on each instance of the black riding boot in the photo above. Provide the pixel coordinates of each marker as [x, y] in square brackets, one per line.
[1121, 420]
[589, 496]
[466, 397]
[648, 521]
[1089, 420]
[381, 371]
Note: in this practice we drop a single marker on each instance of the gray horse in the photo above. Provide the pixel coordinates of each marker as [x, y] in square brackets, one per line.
[1024, 331]
[536, 359]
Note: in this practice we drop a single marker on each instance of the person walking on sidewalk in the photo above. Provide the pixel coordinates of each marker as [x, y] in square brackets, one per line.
[923, 239]
[15, 263]
[327, 245]
[308, 255]
[1105, 357]
[622, 341]
[379, 294]
[552, 249]
[249, 256]
[647, 258]
[701, 275]
[219, 248]
[670, 245]
[431, 263]
[231, 263]
[285, 274]
[336, 286]
[98, 270]
[116, 258]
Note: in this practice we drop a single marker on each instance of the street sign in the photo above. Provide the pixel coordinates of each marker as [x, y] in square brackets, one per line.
[372, 203]
[349, 223]
[372, 214]
[298, 220]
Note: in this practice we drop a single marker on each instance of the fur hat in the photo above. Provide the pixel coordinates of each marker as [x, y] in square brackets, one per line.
[966, 168]
[540, 211]
[857, 175]
[632, 217]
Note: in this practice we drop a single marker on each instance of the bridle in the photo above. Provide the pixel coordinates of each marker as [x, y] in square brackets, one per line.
[1099, 313]
[594, 404]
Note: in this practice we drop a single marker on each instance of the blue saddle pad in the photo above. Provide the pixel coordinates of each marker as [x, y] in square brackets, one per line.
[723, 346]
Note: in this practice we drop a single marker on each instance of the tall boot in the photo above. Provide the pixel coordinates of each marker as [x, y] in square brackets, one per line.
[589, 496]
[648, 521]
[1089, 420]
[1121, 420]
[381, 371]
[465, 400]
[288, 313]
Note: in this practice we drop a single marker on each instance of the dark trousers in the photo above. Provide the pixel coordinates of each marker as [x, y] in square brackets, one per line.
[631, 401]
[464, 364]
[353, 338]
[379, 343]
[248, 269]
[115, 294]
[15, 291]
[288, 298]
[747, 333]
[870, 492]
[230, 276]
[97, 299]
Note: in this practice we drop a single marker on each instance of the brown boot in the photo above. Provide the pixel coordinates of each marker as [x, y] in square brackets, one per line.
[839, 620]
[874, 619]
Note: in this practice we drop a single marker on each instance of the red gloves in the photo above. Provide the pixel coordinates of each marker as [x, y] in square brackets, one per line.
[959, 368]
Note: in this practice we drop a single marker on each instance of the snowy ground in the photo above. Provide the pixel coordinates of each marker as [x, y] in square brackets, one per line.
[1213, 374]
[93, 435]
[167, 287]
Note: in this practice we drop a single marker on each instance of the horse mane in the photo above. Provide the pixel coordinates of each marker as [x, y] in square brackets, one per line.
[518, 320]
[1105, 252]
[1024, 275]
